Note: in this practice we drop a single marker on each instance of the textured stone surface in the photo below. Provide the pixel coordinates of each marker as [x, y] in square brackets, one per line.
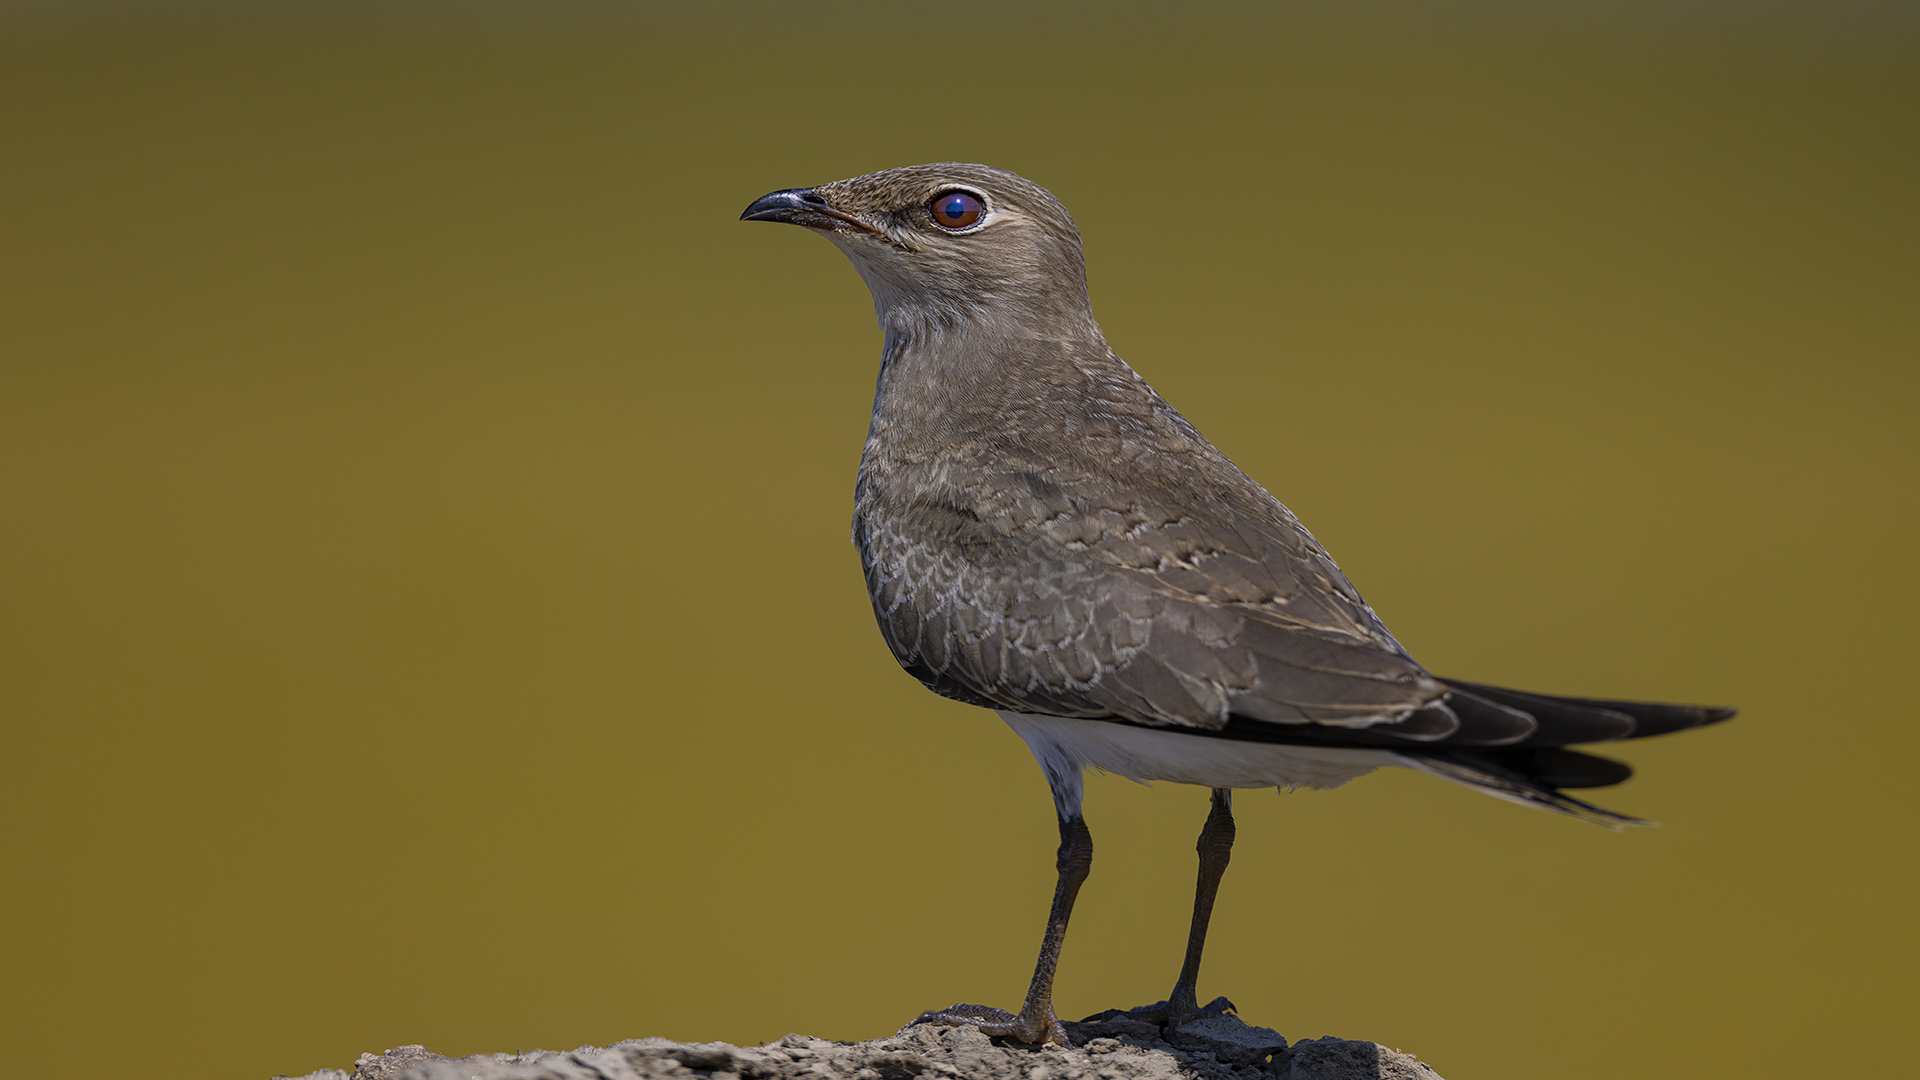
[1217, 1048]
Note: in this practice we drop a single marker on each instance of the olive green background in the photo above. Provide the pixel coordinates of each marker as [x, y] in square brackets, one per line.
[427, 613]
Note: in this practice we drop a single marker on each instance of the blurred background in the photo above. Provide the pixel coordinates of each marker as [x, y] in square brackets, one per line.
[428, 614]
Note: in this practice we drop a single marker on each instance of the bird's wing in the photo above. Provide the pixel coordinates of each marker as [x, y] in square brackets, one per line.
[1132, 610]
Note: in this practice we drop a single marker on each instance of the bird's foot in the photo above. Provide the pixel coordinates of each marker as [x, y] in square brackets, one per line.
[1170, 1015]
[1035, 1027]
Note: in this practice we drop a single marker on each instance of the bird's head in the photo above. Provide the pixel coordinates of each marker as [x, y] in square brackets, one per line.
[949, 243]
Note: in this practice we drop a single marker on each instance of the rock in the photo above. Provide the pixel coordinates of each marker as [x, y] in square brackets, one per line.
[1118, 1048]
[1230, 1040]
[1328, 1058]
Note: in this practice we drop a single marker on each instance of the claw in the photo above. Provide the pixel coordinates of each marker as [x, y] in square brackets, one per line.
[1219, 1006]
[1001, 1024]
[1164, 1014]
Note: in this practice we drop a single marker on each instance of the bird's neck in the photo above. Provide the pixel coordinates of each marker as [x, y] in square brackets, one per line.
[968, 375]
[961, 400]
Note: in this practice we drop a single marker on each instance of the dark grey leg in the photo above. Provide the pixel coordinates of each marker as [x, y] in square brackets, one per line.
[1036, 1022]
[1215, 848]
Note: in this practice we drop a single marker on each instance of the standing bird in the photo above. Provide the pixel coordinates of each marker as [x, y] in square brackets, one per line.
[1044, 536]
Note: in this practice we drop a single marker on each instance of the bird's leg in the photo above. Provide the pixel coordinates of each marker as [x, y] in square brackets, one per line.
[1036, 1022]
[1216, 849]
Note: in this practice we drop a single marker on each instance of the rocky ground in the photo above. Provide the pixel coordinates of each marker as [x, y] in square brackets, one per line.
[1218, 1048]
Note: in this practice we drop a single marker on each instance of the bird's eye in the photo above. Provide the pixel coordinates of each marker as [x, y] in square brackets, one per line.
[955, 210]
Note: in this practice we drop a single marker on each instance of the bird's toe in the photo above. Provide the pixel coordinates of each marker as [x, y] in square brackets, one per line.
[1170, 1016]
[1038, 1029]
[1156, 1013]
[1219, 1006]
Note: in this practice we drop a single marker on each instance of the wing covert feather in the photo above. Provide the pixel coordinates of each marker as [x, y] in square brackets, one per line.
[1150, 618]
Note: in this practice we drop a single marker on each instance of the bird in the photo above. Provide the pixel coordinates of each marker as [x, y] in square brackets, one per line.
[1044, 536]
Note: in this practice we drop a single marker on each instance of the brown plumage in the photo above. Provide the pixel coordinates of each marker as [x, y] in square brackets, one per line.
[1045, 536]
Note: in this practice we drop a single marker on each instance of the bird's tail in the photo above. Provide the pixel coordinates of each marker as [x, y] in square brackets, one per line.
[1503, 775]
[1534, 771]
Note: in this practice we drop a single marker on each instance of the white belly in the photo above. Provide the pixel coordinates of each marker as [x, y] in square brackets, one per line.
[1064, 747]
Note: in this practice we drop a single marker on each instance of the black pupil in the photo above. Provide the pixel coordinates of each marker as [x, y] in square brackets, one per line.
[956, 210]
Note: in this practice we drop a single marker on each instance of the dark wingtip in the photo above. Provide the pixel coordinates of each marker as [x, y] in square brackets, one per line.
[1568, 720]
[1666, 719]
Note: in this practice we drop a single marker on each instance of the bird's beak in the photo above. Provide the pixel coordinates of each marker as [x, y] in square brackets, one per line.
[802, 206]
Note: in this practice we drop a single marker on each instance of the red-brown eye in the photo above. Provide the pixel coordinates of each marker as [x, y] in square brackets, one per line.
[955, 210]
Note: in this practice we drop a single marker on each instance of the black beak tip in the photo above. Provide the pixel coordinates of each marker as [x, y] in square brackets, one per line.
[783, 205]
